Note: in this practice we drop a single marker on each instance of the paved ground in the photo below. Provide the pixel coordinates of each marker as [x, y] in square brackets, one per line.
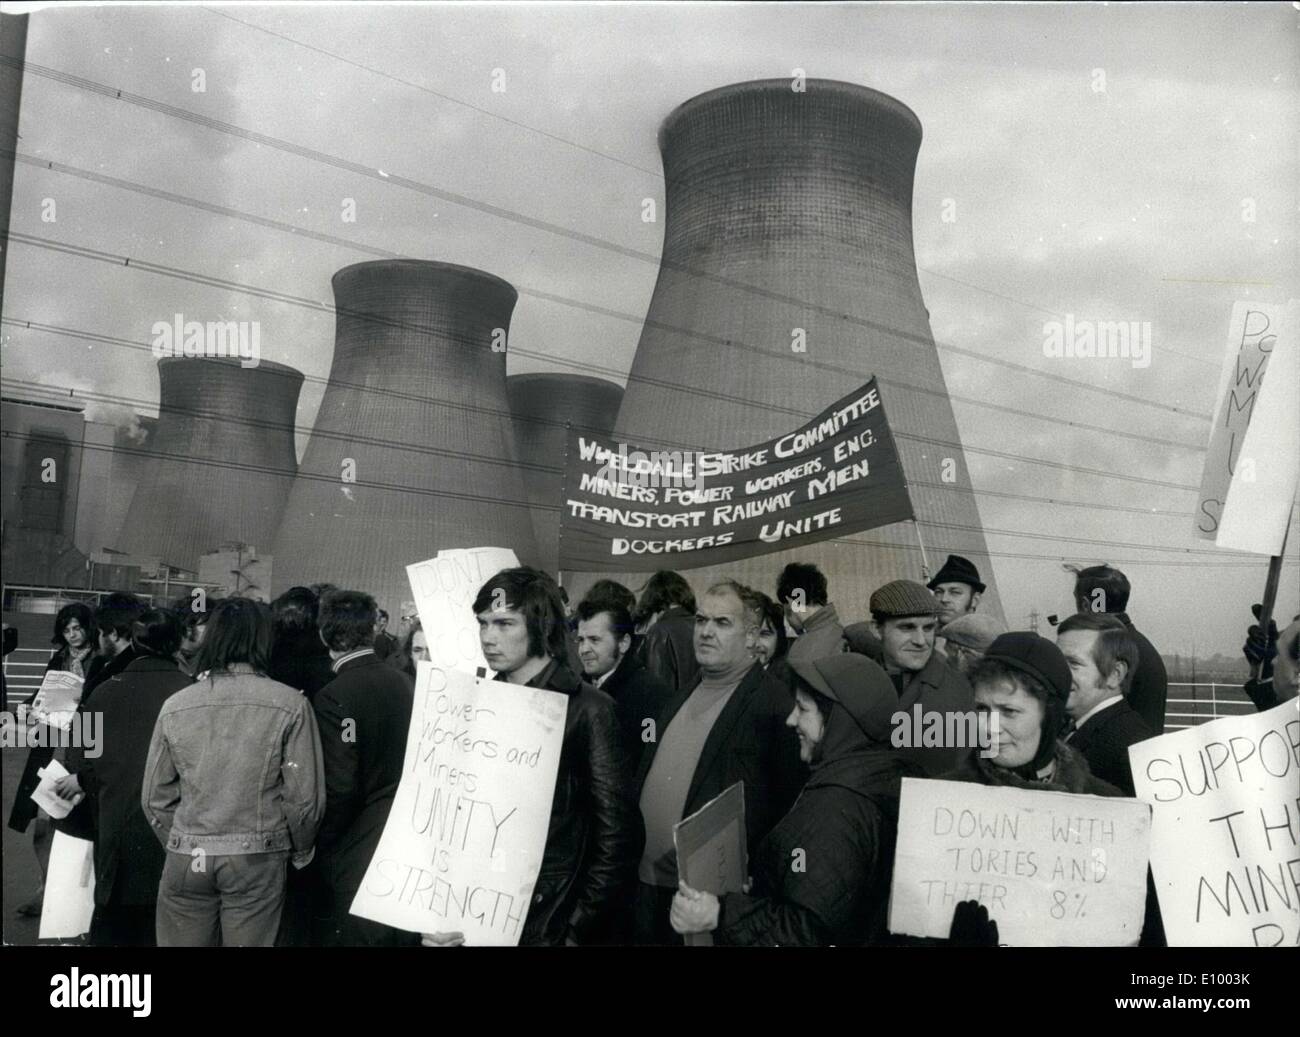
[21, 876]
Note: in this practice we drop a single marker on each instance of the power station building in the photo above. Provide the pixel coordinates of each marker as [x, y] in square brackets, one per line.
[413, 448]
[543, 405]
[788, 278]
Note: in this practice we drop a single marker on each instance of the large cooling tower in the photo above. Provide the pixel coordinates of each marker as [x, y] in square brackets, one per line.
[786, 211]
[412, 451]
[221, 463]
[541, 405]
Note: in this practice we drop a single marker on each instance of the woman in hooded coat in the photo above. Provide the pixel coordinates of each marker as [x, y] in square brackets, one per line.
[821, 876]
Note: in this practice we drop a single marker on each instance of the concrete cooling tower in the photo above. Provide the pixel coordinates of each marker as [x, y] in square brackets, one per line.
[793, 211]
[221, 463]
[412, 451]
[541, 404]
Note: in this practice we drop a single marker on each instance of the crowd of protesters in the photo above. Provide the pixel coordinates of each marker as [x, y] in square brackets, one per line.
[251, 754]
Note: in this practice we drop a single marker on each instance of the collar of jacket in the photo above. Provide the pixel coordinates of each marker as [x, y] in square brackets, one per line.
[825, 616]
[1071, 775]
[364, 659]
[930, 674]
[150, 662]
[555, 676]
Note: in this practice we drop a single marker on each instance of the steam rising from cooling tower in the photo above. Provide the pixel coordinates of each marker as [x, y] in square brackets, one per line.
[412, 451]
[541, 404]
[789, 225]
[222, 459]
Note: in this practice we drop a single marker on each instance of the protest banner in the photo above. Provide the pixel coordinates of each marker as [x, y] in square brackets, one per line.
[69, 888]
[444, 588]
[1227, 788]
[1252, 337]
[1054, 869]
[1258, 501]
[55, 701]
[630, 510]
[711, 849]
[463, 843]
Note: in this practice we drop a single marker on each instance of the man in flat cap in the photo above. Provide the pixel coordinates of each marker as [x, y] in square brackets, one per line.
[905, 616]
[967, 638]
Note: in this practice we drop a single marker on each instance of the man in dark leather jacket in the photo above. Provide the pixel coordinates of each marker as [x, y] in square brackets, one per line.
[593, 840]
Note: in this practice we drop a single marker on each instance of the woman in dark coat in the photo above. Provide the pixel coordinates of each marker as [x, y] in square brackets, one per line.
[821, 876]
[128, 857]
[74, 641]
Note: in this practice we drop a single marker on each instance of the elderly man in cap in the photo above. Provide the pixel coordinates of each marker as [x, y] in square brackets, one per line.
[967, 638]
[904, 615]
[957, 588]
[822, 874]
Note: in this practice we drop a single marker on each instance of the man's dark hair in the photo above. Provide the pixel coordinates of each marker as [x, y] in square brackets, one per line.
[239, 631]
[802, 576]
[620, 619]
[322, 590]
[157, 632]
[1114, 643]
[81, 613]
[662, 591]
[1111, 582]
[117, 613]
[347, 620]
[612, 590]
[533, 593]
[295, 611]
[773, 615]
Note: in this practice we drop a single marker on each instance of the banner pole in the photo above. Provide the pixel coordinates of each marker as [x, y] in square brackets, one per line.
[925, 563]
[1270, 596]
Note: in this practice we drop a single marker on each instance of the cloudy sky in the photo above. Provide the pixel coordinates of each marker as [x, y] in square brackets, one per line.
[1115, 163]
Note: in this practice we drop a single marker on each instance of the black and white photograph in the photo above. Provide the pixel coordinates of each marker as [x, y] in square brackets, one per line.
[651, 475]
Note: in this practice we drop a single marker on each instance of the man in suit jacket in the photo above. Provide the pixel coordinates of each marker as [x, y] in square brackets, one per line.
[1104, 589]
[608, 662]
[363, 715]
[1102, 657]
[665, 615]
[128, 857]
[385, 643]
[728, 727]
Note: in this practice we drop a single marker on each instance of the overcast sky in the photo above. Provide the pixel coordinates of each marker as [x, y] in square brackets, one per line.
[1100, 160]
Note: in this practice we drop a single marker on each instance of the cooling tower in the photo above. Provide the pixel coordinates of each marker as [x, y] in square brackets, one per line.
[221, 462]
[412, 451]
[541, 405]
[789, 211]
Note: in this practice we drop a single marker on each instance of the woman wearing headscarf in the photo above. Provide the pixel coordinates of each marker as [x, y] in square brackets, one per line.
[74, 642]
[821, 876]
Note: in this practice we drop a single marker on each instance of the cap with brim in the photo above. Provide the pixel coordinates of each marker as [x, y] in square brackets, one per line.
[856, 683]
[958, 570]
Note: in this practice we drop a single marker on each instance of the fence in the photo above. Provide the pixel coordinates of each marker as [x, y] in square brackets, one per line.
[1192, 704]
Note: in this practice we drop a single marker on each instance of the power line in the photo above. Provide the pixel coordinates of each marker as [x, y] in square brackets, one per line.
[783, 356]
[452, 404]
[312, 304]
[656, 173]
[510, 502]
[501, 212]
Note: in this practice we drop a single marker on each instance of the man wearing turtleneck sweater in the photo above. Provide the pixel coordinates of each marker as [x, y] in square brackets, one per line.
[729, 727]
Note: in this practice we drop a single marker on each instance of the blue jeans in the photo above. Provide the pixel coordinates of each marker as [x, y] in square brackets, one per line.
[221, 900]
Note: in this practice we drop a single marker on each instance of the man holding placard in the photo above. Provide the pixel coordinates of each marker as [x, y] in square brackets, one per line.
[593, 836]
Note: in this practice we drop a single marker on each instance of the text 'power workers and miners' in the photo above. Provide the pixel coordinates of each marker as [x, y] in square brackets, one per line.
[625, 508]
[463, 844]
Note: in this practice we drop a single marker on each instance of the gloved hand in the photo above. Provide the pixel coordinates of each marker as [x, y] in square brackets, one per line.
[972, 927]
[1259, 649]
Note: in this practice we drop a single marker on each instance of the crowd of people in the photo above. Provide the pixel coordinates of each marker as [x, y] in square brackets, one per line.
[250, 754]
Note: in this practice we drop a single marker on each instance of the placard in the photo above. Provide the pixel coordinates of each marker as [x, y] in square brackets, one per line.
[1054, 869]
[711, 849]
[445, 587]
